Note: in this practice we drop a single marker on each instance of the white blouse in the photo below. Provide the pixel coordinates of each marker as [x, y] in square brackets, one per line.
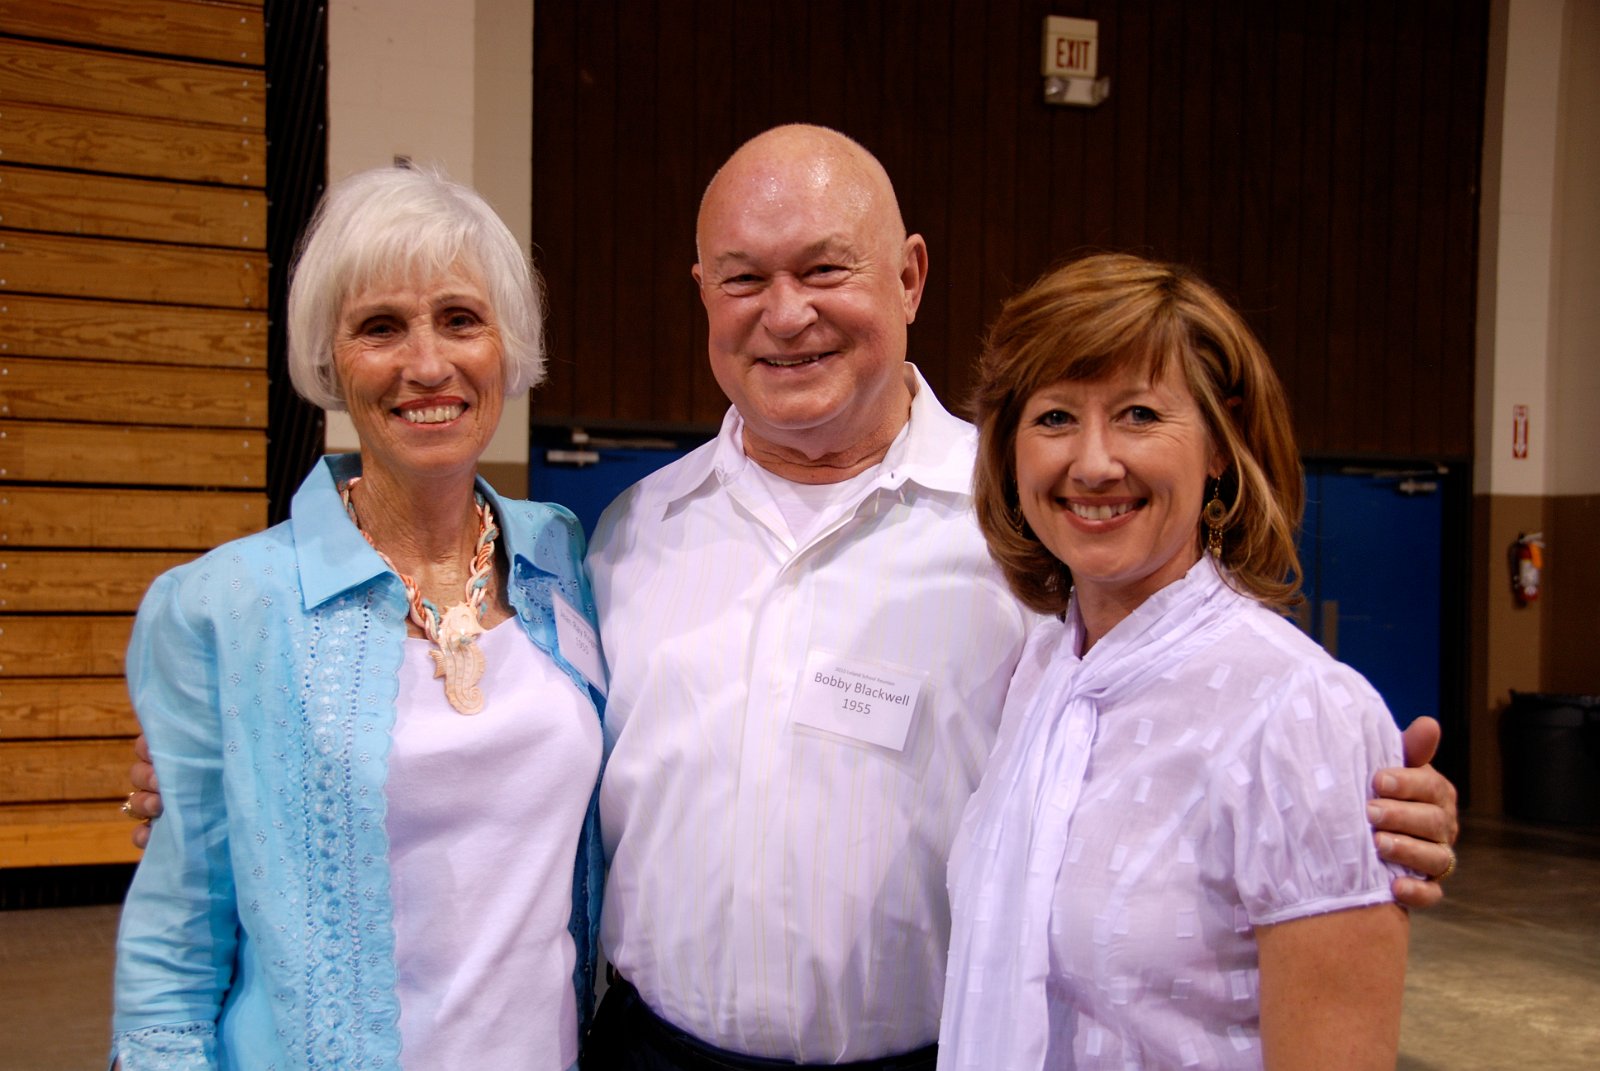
[1203, 770]
[483, 819]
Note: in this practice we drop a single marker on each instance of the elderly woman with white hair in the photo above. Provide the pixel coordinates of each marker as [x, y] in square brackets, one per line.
[376, 725]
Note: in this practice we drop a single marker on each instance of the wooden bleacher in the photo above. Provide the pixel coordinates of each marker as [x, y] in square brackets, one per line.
[133, 393]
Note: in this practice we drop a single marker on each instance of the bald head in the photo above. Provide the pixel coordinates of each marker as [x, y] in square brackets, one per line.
[809, 281]
[797, 160]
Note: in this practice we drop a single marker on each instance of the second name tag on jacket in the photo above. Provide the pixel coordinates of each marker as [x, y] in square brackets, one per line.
[579, 643]
[867, 701]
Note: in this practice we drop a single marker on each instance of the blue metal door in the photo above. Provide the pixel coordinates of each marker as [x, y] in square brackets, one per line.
[1371, 550]
[584, 473]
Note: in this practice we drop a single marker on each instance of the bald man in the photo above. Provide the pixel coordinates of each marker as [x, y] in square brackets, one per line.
[809, 650]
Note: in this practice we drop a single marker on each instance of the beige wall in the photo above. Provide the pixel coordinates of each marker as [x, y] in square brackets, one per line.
[446, 82]
[1538, 316]
[1539, 346]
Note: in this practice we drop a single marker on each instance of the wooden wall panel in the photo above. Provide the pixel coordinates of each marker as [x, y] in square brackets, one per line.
[133, 356]
[132, 394]
[1313, 159]
[52, 581]
[202, 29]
[46, 708]
[39, 452]
[57, 646]
[66, 834]
[131, 145]
[129, 271]
[33, 772]
[97, 80]
[115, 518]
[33, 326]
[116, 207]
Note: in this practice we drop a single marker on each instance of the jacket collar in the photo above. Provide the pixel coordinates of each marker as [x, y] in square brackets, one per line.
[334, 556]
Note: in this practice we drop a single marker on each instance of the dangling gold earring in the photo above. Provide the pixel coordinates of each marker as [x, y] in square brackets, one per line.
[1213, 515]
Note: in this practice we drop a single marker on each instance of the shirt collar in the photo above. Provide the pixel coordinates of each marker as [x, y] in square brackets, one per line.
[933, 450]
[335, 557]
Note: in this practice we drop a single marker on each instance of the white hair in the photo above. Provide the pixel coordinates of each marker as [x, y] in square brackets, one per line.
[402, 223]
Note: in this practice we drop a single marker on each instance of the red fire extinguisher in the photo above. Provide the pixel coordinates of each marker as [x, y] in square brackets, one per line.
[1527, 562]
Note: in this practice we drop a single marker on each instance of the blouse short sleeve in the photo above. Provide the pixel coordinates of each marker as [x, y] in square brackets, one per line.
[1295, 792]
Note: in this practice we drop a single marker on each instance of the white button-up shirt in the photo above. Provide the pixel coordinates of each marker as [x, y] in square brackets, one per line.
[774, 888]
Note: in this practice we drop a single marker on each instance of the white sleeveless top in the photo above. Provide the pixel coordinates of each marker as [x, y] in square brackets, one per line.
[483, 820]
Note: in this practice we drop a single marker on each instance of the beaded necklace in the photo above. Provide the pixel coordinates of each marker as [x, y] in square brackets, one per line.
[455, 632]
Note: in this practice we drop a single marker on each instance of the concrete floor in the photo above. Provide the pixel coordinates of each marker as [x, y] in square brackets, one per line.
[1504, 975]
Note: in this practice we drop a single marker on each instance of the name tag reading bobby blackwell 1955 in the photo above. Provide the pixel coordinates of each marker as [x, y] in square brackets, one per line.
[867, 701]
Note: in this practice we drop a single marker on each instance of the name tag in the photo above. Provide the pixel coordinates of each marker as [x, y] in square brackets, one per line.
[579, 643]
[866, 701]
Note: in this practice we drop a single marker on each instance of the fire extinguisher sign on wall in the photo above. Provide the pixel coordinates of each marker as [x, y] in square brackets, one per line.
[1519, 431]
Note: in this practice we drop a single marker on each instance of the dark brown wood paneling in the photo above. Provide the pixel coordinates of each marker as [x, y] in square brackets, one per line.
[1404, 196]
[162, 457]
[715, 138]
[635, 394]
[674, 196]
[1128, 64]
[63, 76]
[1230, 109]
[598, 297]
[960, 263]
[1430, 355]
[132, 394]
[45, 708]
[1188, 36]
[1458, 186]
[108, 207]
[555, 246]
[33, 326]
[127, 271]
[1316, 160]
[997, 214]
[131, 520]
[926, 203]
[199, 29]
[1275, 162]
[131, 145]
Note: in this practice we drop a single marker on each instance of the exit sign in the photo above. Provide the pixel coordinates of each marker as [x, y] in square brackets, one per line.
[1071, 47]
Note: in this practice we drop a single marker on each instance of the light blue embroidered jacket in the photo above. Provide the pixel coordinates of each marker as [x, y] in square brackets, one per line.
[258, 930]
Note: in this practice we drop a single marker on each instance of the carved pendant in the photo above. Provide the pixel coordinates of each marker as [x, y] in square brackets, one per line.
[458, 659]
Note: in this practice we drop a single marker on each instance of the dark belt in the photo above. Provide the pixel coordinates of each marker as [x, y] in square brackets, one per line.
[628, 1036]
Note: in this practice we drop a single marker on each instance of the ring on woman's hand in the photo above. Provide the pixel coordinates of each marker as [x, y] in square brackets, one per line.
[1450, 867]
[127, 810]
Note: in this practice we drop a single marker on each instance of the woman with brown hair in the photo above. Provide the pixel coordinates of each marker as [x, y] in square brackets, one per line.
[1168, 862]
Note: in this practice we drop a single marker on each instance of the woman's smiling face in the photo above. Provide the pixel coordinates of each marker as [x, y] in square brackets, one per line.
[1111, 477]
[421, 370]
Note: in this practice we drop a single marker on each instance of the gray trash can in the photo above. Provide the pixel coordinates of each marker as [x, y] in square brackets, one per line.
[1550, 745]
